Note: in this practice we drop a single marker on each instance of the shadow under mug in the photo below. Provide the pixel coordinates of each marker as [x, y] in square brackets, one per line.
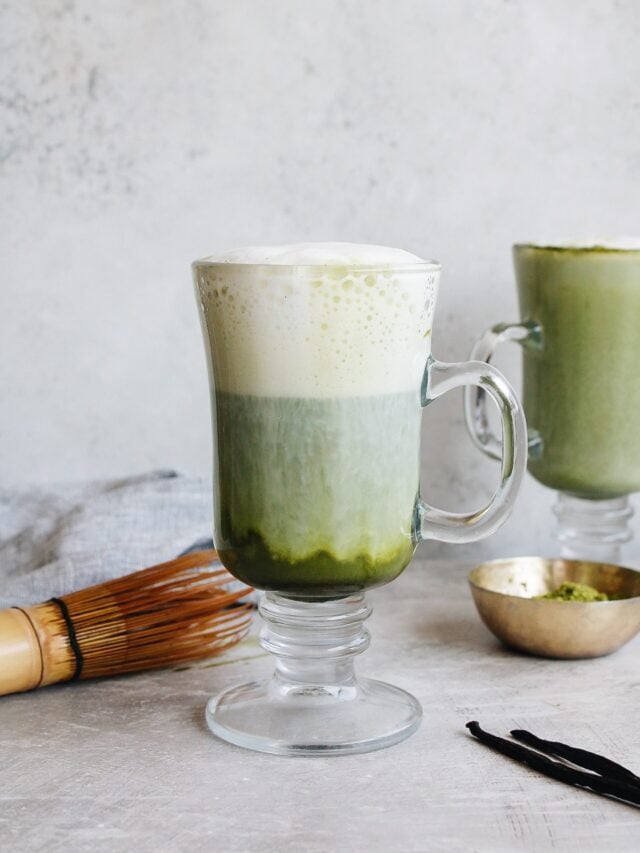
[579, 333]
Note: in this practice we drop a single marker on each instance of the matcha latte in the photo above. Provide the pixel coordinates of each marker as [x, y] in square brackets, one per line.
[317, 356]
[581, 382]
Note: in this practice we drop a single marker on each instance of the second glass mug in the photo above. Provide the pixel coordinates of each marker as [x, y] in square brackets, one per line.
[319, 373]
[579, 305]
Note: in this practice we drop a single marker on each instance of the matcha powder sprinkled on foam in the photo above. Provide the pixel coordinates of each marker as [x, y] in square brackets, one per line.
[570, 591]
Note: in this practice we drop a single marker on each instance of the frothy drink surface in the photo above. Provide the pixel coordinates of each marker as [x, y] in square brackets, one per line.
[318, 353]
[337, 320]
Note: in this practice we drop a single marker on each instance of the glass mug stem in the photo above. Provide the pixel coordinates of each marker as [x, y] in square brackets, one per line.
[511, 450]
[593, 529]
[314, 703]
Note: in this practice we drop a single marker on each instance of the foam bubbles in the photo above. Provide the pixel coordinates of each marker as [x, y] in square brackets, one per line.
[282, 323]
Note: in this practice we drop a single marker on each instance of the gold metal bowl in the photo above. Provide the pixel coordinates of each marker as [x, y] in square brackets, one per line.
[504, 592]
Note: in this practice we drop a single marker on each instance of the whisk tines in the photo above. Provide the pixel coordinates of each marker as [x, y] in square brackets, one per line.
[167, 614]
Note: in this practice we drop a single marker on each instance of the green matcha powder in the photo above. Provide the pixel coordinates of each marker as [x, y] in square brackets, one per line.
[570, 591]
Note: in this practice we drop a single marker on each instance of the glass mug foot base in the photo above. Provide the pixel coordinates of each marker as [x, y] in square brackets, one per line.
[314, 703]
[276, 717]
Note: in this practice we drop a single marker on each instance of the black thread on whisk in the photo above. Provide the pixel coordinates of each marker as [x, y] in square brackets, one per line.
[73, 639]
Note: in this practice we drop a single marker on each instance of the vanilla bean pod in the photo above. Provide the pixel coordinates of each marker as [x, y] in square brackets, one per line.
[555, 770]
[581, 757]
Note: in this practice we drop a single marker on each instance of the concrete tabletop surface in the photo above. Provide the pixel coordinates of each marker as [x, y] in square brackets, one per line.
[127, 764]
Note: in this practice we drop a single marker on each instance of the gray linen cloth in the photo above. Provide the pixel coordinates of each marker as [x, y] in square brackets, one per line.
[54, 540]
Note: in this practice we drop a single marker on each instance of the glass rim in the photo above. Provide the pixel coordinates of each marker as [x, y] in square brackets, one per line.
[413, 266]
[620, 245]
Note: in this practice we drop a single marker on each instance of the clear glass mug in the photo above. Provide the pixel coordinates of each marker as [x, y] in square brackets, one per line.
[579, 305]
[318, 378]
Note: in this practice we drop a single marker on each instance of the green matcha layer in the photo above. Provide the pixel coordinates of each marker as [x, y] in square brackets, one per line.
[319, 575]
[581, 389]
[316, 496]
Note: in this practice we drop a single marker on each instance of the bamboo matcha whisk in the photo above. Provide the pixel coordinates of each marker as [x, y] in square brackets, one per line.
[164, 615]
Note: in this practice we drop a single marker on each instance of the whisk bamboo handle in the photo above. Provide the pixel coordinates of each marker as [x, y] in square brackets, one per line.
[31, 654]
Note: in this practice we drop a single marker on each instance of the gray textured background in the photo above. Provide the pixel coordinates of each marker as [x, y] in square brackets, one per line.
[137, 136]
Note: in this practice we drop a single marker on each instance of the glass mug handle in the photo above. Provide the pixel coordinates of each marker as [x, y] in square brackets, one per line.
[475, 398]
[469, 527]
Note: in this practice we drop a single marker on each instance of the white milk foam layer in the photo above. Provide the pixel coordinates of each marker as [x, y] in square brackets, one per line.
[317, 319]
